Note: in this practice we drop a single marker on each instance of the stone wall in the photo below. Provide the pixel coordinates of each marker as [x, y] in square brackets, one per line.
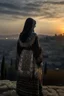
[7, 88]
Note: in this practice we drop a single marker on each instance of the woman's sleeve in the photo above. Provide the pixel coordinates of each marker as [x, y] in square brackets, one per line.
[18, 52]
[19, 49]
[37, 50]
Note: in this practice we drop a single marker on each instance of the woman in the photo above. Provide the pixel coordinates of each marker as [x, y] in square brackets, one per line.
[29, 40]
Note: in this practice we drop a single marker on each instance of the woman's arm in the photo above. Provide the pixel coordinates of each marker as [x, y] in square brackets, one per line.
[37, 50]
[18, 52]
[19, 49]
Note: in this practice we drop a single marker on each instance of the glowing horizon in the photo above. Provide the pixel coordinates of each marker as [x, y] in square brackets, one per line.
[43, 26]
[49, 15]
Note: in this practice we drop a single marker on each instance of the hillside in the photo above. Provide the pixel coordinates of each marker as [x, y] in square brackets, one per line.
[7, 88]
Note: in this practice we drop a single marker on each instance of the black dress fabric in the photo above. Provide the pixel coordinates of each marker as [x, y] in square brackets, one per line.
[37, 53]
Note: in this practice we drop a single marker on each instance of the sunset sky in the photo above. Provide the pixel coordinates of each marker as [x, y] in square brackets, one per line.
[49, 15]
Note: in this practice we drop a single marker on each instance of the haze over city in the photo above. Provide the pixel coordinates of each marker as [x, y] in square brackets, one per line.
[49, 15]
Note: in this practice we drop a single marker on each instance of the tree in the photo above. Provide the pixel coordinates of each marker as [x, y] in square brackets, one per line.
[11, 72]
[11, 62]
[16, 63]
[3, 69]
[45, 68]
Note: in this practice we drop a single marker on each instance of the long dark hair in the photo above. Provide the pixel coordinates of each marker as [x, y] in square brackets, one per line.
[28, 28]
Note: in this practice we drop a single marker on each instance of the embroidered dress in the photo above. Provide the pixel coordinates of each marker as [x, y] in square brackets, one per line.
[27, 79]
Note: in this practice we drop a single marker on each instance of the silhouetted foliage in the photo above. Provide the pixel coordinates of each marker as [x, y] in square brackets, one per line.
[10, 71]
[11, 61]
[3, 68]
[11, 75]
[5, 74]
[16, 64]
[45, 68]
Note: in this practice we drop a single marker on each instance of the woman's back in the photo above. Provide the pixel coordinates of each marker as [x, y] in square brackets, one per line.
[27, 81]
[29, 56]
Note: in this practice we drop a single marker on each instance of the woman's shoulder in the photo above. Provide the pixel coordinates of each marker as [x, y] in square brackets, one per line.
[35, 34]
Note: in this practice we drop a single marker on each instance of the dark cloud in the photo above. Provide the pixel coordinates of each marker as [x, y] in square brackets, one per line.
[11, 6]
[54, 2]
[35, 4]
[48, 9]
[27, 9]
[49, 15]
[11, 17]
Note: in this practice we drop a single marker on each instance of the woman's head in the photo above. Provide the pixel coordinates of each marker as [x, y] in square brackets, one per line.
[28, 29]
[29, 25]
